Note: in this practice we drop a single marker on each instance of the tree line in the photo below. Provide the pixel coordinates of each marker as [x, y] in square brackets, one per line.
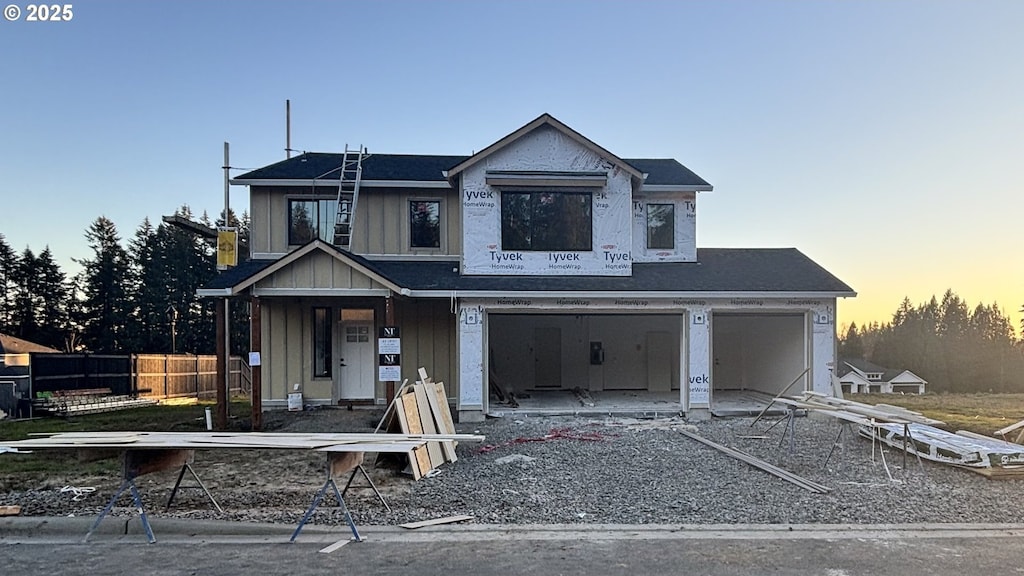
[954, 347]
[133, 298]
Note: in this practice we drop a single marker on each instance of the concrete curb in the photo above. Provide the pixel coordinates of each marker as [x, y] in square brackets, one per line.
[28, 529]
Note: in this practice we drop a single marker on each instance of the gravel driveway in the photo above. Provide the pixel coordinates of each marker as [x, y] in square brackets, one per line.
[543, 470]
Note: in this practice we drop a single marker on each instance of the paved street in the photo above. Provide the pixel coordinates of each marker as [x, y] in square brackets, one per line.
[486, 551]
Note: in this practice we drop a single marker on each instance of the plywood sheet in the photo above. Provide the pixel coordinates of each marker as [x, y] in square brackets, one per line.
[411, 416]
[443, 425]
[427, 421]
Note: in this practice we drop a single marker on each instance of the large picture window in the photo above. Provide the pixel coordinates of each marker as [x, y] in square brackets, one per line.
[322, 342]
[547, 221]
[661, 226]
[309, 219]
[425, 223]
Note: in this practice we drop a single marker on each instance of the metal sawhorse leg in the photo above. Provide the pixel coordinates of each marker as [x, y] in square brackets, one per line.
[337, 464]
[136, 463]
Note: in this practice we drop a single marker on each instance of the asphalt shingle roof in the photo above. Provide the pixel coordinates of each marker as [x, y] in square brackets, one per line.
[717, 270]
[426, 168]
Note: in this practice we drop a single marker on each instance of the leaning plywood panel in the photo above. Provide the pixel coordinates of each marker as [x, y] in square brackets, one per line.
[427, 421]
[443, 425]
[410, 417]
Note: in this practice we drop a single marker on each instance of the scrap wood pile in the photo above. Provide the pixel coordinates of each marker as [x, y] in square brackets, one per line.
[422, 408]
[88, 401]
[920, 436]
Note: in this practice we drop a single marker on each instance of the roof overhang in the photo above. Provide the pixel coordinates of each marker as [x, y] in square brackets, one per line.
[334, 183]
[542, 120]
[295, 255]
[531, 178]
[632, 294]
[676, 188]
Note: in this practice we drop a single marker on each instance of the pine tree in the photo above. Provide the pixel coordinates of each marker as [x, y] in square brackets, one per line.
[25, 315]
[8, 272]
[51, 298]
[851, 346]
[105, 310]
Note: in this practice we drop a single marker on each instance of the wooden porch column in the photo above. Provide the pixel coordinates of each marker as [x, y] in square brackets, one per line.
[255, 345]
[221, 417]
[389, 320]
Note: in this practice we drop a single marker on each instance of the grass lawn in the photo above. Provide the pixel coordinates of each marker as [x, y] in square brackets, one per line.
[979, 413]
[16, 470]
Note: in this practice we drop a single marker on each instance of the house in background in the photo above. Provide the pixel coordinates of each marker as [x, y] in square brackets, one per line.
[544, 262]
[859, 376]
[15, 379]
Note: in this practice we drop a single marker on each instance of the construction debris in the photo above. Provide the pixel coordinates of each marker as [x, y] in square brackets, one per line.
[554, 434]
[436, 521]
[761, 464]
[10, 510]
[961, 449]
[422, 408]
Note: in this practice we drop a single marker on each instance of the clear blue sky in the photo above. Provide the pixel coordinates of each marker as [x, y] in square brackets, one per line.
[885, 139]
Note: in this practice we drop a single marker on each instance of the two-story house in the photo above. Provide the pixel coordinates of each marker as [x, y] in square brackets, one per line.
[543, 261]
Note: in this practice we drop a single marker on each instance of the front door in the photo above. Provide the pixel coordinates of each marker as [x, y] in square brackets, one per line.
[355, 376]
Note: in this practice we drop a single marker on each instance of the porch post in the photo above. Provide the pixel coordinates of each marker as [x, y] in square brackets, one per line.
[222, 364]
[255, 345]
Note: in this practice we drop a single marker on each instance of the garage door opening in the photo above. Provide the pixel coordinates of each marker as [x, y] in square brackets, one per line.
[594, 361]
[754, 357]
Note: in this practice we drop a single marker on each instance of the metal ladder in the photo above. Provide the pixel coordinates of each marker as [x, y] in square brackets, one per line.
[348, 195]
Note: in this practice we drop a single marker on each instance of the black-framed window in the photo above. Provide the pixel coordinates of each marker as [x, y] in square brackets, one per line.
[425, 223]
[661, 226]
[322, 343]
[311, 218]
[547, 221]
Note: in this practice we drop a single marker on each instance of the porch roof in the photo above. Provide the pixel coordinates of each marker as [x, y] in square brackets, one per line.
[718, 271]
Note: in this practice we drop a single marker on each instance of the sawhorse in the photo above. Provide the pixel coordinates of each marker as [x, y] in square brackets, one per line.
[338, 464]
[137, 463]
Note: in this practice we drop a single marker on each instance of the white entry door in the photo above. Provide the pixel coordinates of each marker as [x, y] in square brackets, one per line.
[355, 378]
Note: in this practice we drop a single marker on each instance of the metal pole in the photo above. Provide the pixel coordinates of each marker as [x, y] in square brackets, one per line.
[227, 308]
[288, 128]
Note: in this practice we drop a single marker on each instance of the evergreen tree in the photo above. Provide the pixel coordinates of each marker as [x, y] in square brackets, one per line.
[51, 300]
[105, 310]
[25, 316]
[8, 272]
[851, 346]
[148, 294]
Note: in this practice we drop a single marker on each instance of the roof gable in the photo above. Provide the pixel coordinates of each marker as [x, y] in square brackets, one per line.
[545, 120]
[12, 345]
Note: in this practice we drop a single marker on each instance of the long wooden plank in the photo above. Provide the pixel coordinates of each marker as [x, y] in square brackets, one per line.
[412, 420]
[442, 426]
[386, 447]
[761, 464]
[427, 421]
[436, 521]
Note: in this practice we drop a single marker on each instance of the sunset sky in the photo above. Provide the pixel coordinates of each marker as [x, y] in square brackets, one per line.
[884, 139]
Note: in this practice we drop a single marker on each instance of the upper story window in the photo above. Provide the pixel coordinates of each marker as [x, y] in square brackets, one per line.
[425, 223]
[309, 219]
[661, 226]
[547, 221]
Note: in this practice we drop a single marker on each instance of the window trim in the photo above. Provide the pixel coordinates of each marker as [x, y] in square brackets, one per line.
[318, 198]
[442, 236]
[647, 225]
[589, 192]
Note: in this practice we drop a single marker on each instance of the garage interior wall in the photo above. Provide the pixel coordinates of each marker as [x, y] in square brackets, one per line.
[554, 351]
[759, 352]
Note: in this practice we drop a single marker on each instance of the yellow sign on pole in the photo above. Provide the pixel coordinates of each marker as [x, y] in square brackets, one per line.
[227, 247]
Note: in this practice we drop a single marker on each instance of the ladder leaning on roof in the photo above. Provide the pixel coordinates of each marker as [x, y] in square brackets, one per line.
[348, 195]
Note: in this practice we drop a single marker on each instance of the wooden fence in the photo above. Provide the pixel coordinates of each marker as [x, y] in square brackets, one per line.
[186, 376]
[145, 375]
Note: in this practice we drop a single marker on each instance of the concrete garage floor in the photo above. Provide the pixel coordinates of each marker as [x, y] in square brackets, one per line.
[626, 403]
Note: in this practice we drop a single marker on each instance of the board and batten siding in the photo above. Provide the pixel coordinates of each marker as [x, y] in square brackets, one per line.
[428, 329]
[319, 270]
[427, 332]
[381, 220]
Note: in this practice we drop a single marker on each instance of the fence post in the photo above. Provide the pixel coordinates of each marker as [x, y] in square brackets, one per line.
[195, 378]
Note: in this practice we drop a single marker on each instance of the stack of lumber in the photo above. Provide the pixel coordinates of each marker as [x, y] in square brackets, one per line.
[857, 412]
[92, 401]
[422, 408]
